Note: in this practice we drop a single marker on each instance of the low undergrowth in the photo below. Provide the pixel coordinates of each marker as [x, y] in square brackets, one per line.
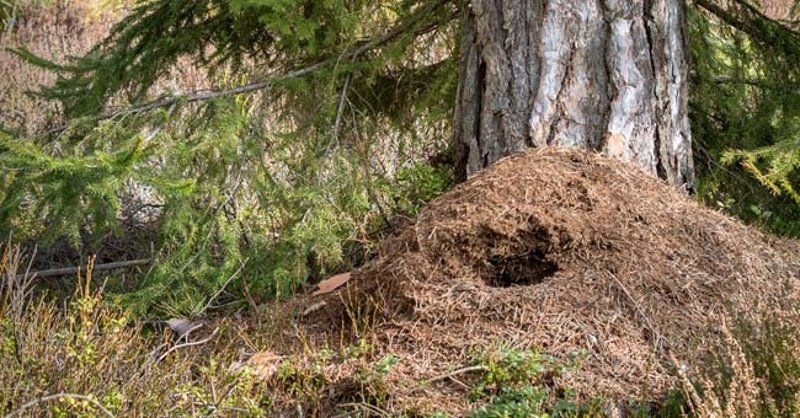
[522, 383]
[87, 357]
[519, 383]
[754, 372]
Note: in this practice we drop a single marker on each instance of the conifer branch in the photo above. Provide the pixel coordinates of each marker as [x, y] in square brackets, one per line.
[407, 27]
[726, 79]
[746, 25]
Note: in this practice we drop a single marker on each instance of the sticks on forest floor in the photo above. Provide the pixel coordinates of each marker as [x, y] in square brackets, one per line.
[59, 396]
[469, 369]
[72, 270]
[188, 344]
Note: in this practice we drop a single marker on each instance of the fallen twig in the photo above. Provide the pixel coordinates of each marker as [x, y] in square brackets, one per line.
[478, 368]
[60, 396]
[638, 308]
[72, 270]
[189, 344]
[365, 407]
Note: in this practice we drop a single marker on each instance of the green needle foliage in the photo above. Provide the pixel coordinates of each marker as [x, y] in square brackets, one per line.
[279, 35]
[79, 182]
[255, 194]
[344, 127]
[746, 112]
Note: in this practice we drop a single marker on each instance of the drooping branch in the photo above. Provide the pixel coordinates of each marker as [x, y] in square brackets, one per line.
[409, 27]
[751, 24]
[726, 79]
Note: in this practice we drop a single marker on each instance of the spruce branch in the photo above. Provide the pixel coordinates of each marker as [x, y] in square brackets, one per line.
[408, 27]
[748, 24]
[726, 79]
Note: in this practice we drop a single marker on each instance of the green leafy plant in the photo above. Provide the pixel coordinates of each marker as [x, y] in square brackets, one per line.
[518, 383]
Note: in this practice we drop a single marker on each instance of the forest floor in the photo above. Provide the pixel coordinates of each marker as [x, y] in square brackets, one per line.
[555, 281]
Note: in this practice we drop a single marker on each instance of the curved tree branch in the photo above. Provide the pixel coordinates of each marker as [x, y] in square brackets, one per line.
[748, 24]
[408, 27]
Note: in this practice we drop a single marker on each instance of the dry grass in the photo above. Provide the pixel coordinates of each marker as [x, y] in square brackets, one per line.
[780, 9]
[752, 373]
[85, 357]
[54, 32]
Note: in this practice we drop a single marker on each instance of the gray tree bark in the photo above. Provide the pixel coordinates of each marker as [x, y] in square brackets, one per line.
[604, 75]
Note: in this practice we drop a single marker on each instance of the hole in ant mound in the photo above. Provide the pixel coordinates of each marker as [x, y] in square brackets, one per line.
[519, 270]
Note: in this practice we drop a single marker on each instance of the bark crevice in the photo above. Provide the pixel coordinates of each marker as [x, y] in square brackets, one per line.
[652, 51]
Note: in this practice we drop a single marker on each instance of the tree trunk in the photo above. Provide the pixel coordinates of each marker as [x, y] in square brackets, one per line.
[604, 75]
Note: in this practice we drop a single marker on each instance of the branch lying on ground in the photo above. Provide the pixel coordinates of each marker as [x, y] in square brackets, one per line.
[33, 403]
[469, 369]
[188, 344]
[72, 270]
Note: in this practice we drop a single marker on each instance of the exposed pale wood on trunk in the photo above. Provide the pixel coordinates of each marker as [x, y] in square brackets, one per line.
[605, 75]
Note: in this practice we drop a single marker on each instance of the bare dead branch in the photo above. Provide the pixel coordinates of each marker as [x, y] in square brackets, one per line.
[72, 270]
[188, 344]
[57, 396]
[478, 368]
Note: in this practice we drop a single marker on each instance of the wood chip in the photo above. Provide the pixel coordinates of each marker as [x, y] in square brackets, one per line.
[332, 283]
[263, 365]
[313, 308]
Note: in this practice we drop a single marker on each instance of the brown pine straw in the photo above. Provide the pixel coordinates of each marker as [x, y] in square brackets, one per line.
[566, 252]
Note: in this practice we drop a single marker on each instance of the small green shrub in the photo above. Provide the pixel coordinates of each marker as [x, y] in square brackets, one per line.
[527, 401]
[86, 356]
[419, 184]
[744, 109]
[518, 383]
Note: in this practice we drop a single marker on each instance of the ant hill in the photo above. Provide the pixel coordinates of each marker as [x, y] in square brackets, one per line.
[565, 252]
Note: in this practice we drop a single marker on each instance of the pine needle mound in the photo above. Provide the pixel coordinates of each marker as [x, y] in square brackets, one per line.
[568, 252]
